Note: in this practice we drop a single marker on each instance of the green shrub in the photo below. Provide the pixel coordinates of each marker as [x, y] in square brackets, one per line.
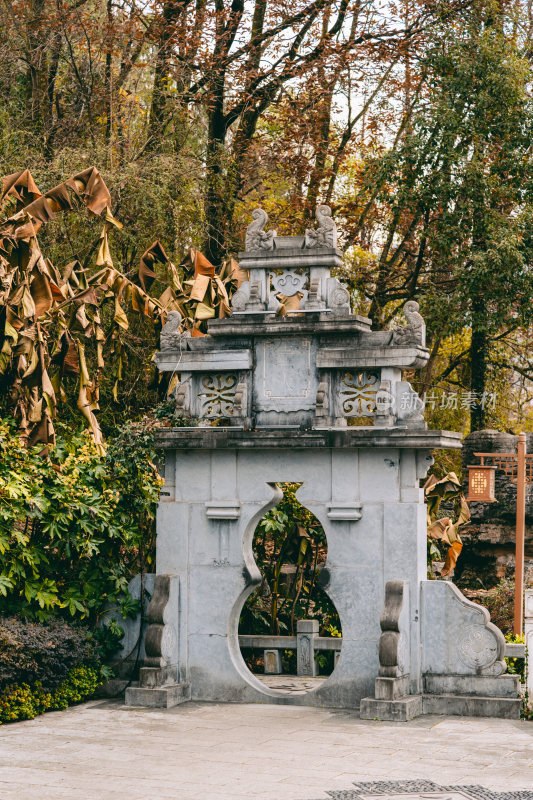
[33, 653]
[26, 702]
[81, 683]
[22, 702]
[76, 525]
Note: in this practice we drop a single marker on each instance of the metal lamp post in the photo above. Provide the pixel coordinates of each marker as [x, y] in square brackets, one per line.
[519, 467]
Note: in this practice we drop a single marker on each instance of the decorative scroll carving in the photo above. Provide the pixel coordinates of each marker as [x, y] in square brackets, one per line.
[288, 282]
[424, 460]
[478, 648]
[326, 233]
[218, 395]
[390, 655]
[304, 651]
[171, 336]
[359, 390]
[338, 298]
[414, 333]
[161, 637]
[256, 236]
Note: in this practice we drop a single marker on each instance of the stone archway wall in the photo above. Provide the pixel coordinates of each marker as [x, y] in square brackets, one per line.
[370, 506]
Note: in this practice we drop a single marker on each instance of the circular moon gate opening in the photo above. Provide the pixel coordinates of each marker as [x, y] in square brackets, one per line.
[289, 629]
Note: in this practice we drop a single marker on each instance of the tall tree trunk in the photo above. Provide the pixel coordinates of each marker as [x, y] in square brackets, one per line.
[478, 368]
[173, 10]
[50, 126]
[217, 214]
[108, 76]
[323, 128]
[36, 73]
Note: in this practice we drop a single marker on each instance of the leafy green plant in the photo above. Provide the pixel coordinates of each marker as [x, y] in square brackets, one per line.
[75, 526]
[516, 666]
[18, 702]
[290, 548]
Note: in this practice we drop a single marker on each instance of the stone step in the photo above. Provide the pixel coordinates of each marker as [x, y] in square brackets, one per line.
[473, 685]
[161, 697]
[401, 710]
[471, 706]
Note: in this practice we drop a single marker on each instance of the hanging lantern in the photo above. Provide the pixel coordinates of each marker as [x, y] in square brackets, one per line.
[481, 483]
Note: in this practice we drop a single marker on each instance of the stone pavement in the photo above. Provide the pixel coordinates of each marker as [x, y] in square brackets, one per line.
[259, 752]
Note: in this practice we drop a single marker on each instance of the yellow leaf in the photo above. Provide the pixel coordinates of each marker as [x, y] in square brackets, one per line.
[172, 384]
[34, 362]
[11, 332]
[109, 218]
[84, 406]
[84, 372]
[28, 306]
[200, 287]
[204, 311]
[120, 316]
[103, 258]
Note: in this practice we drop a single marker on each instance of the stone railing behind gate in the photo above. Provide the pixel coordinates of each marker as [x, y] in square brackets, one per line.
[306, 643]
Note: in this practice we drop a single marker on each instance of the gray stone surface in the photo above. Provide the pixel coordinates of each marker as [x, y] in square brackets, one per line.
[391, 688]
[472, 706]
[160, 697]
[248, 752]
[401, 710]
[484, 686]
[458, 637]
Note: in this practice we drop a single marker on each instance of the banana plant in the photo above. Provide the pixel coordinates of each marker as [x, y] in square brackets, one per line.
[445, 530]
[56, 325]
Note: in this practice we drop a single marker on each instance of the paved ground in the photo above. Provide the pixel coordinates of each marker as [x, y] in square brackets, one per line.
[290, 684]
[101, 750]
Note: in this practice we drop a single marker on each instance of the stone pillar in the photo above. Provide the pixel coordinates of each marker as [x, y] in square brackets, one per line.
[306, 633]
[272, 660]
[528, 631]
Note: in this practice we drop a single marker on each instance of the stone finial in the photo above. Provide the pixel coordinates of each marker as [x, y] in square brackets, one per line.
[326, 233]
[171, 336]
[414, 333]
[256, 236]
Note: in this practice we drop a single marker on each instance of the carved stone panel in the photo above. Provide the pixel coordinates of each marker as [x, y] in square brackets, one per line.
[477, 647]
[217, 395]
[285, 377]
[357, 393]
[287, 369]
[289, 282]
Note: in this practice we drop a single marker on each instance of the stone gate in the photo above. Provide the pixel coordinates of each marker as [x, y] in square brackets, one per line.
[316, 397]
